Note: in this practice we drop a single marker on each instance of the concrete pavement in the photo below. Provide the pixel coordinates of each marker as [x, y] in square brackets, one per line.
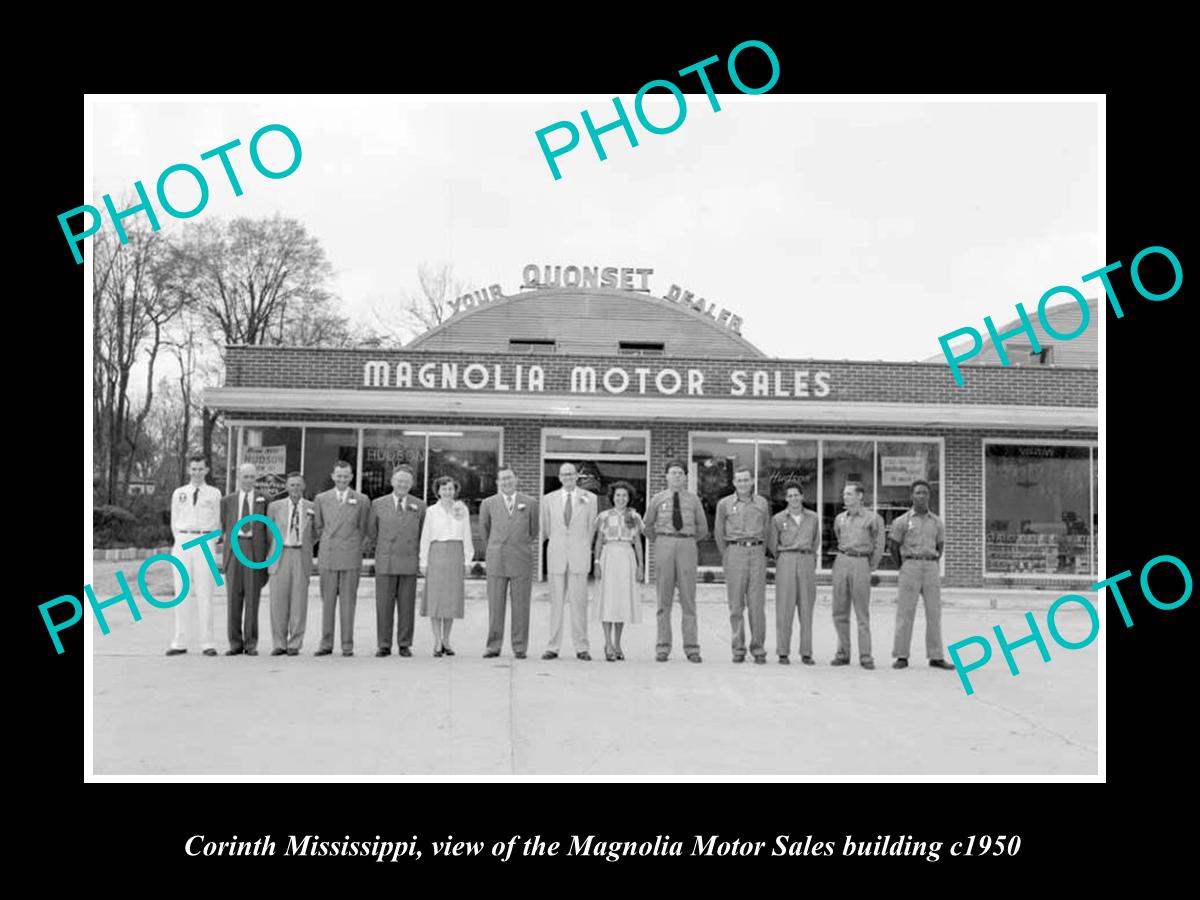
[465, 715]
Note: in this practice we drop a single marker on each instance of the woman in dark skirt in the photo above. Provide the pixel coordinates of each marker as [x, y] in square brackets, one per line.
[446, 555]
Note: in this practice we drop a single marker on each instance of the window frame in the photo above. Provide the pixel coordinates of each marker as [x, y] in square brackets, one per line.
[821, 438]
[1093, 492]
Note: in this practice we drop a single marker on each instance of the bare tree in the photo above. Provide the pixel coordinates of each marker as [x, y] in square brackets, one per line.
[433, 304]
[257, 281]
[134, 298]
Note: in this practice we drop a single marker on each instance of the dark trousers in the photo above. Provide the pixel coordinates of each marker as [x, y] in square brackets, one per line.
[243, 591]
[499, 588]
[395, 593]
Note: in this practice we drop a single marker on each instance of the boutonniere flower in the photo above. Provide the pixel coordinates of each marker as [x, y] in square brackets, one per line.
[460, 512]
[351, 500]
[260, 499]
[520, 506]
[182, 495]
[308, 510]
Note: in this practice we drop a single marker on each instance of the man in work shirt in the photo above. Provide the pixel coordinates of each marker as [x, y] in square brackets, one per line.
[675, 521]
[918, 536]
[792, 540]
[743, 519]
[859, 533]
[195, 511]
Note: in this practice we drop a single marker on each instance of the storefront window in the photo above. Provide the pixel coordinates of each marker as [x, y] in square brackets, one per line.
[844, 462]
[899, 464]
[567, 443]
[1095, 509]
[383, 450]
[274, 452]
[781, 462]
[322, 448]
[1039, 510]
[471, 458]
[715, 460]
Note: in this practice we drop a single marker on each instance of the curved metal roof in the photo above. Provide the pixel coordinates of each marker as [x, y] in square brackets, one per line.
[587, 321]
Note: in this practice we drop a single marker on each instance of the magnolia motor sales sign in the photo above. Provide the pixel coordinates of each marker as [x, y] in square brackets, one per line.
[577, 379]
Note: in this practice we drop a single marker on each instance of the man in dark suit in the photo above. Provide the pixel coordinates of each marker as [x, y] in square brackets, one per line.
[292, 567]
[395, 529]
[244, 584]
[508, 522]
[340, 519]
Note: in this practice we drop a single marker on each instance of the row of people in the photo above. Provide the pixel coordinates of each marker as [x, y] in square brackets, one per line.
[410, 540]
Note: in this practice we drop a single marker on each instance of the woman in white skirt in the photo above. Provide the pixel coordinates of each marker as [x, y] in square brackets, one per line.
[446, 555]
[617, 537]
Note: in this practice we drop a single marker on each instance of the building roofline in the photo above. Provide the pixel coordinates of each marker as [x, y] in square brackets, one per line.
[524, 295]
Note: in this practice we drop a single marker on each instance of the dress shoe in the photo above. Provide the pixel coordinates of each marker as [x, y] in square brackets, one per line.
[610, 655]
[293, 653]
[171, 651]
[446, 650]
[520, 654]
[252, 653]
[438, 652]
[347, 653]
[620, 654]
[760, 660]
[585, 656]
[549, 654]
[941, 664]
[232, 652]
[807, 660]
[278, 651]
[323, 652]
[784, 661]
[384, 651]
[839, 661]
[491, 654]
[868, 663]
[694, 657]
[739, 659]
[211, 651]
[404, 651]
[660, 657]
[900, 663]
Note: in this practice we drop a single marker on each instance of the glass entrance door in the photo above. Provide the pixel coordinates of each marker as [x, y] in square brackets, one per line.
[601, 457]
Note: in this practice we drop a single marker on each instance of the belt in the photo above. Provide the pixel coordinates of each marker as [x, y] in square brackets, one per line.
[746, 543]
[853, 553]
[188, 531]
[673, 534]
[795, 550]
[245, 537]
[293, 547]
[926, 558]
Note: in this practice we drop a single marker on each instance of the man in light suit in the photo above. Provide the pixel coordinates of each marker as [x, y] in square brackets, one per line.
[341, 516]
[508, 522]
[291, 570]
[567, 516]
[243, 584]
[395, 529]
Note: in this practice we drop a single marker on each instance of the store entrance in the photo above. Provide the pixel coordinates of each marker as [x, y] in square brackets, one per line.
[601, 457]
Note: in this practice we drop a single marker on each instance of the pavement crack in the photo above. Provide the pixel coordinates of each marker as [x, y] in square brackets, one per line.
[1034, 723]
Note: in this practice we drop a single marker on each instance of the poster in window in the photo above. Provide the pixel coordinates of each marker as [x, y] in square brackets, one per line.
[901, 471]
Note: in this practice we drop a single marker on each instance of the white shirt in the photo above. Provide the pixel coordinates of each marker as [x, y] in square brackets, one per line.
[196, 518]
[510, 501]
[342, 496]
[443, 526]
[245, 501]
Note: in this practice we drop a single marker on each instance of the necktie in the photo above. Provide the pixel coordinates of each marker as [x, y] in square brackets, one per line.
[567, 508]
[245, 512]
[341, 498]
[294, 535]
[676, 512]
[397, 499]
[508, 504]
[195, 496]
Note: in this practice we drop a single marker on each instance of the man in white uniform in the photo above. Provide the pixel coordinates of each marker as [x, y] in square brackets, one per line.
[195, 512]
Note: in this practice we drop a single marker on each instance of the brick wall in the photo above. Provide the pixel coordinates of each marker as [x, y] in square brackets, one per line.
[294, 367]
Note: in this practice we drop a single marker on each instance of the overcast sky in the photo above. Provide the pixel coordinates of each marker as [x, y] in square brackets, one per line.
[858, 230]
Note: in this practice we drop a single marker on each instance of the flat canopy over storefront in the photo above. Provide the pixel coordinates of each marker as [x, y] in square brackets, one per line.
[300, 400]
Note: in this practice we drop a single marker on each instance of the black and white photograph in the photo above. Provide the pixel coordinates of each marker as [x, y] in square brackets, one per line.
[526, 436]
